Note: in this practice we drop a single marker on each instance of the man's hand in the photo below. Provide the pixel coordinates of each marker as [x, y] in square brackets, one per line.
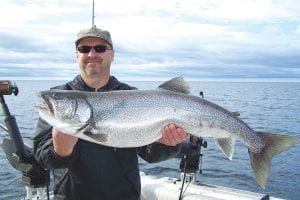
[63, 144]
[172, 135]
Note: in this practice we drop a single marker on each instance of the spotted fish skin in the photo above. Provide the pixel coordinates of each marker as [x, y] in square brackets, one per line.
[134, 118]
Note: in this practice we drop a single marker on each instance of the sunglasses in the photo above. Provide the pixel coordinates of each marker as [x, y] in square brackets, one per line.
[98, 48]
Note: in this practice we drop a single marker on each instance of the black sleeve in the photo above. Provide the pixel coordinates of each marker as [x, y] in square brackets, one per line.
[43, 148]
[157, 152]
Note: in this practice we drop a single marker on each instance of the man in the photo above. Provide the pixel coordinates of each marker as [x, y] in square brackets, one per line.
[84, 170]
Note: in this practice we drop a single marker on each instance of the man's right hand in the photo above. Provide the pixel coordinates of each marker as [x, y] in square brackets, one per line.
[63, 144]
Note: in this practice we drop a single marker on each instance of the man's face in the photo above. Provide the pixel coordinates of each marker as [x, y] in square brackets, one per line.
[94, 63]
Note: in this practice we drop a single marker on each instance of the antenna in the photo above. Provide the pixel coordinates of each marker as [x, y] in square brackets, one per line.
[93, 16]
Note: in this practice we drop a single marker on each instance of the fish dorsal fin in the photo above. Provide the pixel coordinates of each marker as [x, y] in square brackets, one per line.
[227, 146]
[177, 84]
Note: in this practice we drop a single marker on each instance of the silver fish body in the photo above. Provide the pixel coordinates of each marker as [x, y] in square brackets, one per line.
[136, 118]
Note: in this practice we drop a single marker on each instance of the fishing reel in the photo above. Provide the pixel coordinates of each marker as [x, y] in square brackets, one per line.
[8, 88]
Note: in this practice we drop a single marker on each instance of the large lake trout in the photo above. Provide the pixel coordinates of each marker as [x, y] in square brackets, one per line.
[133, 118]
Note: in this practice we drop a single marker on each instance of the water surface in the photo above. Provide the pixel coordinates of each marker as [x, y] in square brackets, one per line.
[273, 107]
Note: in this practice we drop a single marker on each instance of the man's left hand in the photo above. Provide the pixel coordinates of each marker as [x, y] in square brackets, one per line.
[172, 135]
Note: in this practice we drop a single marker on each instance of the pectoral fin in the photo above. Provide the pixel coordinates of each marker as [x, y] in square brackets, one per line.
[99, 137]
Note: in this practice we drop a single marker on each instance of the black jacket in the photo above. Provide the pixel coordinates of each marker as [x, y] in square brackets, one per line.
[94, 171]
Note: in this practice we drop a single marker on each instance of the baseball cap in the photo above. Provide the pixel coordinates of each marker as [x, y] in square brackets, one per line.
[94, 32]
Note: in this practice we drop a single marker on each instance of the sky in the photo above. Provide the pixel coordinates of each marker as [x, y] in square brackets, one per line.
[157, 39]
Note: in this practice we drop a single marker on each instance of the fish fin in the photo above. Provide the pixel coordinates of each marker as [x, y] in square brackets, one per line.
[177, 84]
[261, 162]
[227, 146]
[82, 128]
[99, 137]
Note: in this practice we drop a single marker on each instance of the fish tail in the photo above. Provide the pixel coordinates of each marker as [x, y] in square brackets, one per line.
[261, 162]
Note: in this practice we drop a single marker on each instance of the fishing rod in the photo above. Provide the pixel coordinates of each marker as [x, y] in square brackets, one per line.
[19, 155]
[93, 14]
[7, 88]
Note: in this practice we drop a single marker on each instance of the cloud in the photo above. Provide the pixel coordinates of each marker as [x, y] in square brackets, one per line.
[197, 39]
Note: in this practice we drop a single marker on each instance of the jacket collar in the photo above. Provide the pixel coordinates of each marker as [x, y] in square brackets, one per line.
[79, 84]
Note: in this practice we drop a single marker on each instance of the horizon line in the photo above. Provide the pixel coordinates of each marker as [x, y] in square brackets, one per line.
[23, 78]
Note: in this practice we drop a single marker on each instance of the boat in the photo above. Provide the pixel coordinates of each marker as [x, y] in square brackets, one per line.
[168, 188]
[36, 180]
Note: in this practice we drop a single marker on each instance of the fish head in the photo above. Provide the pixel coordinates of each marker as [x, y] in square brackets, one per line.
[65, 107]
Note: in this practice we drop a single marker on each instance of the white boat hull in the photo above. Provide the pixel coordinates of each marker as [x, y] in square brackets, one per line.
[168, 189]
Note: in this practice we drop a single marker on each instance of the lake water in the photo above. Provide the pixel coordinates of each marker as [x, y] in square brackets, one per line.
[273, 107]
